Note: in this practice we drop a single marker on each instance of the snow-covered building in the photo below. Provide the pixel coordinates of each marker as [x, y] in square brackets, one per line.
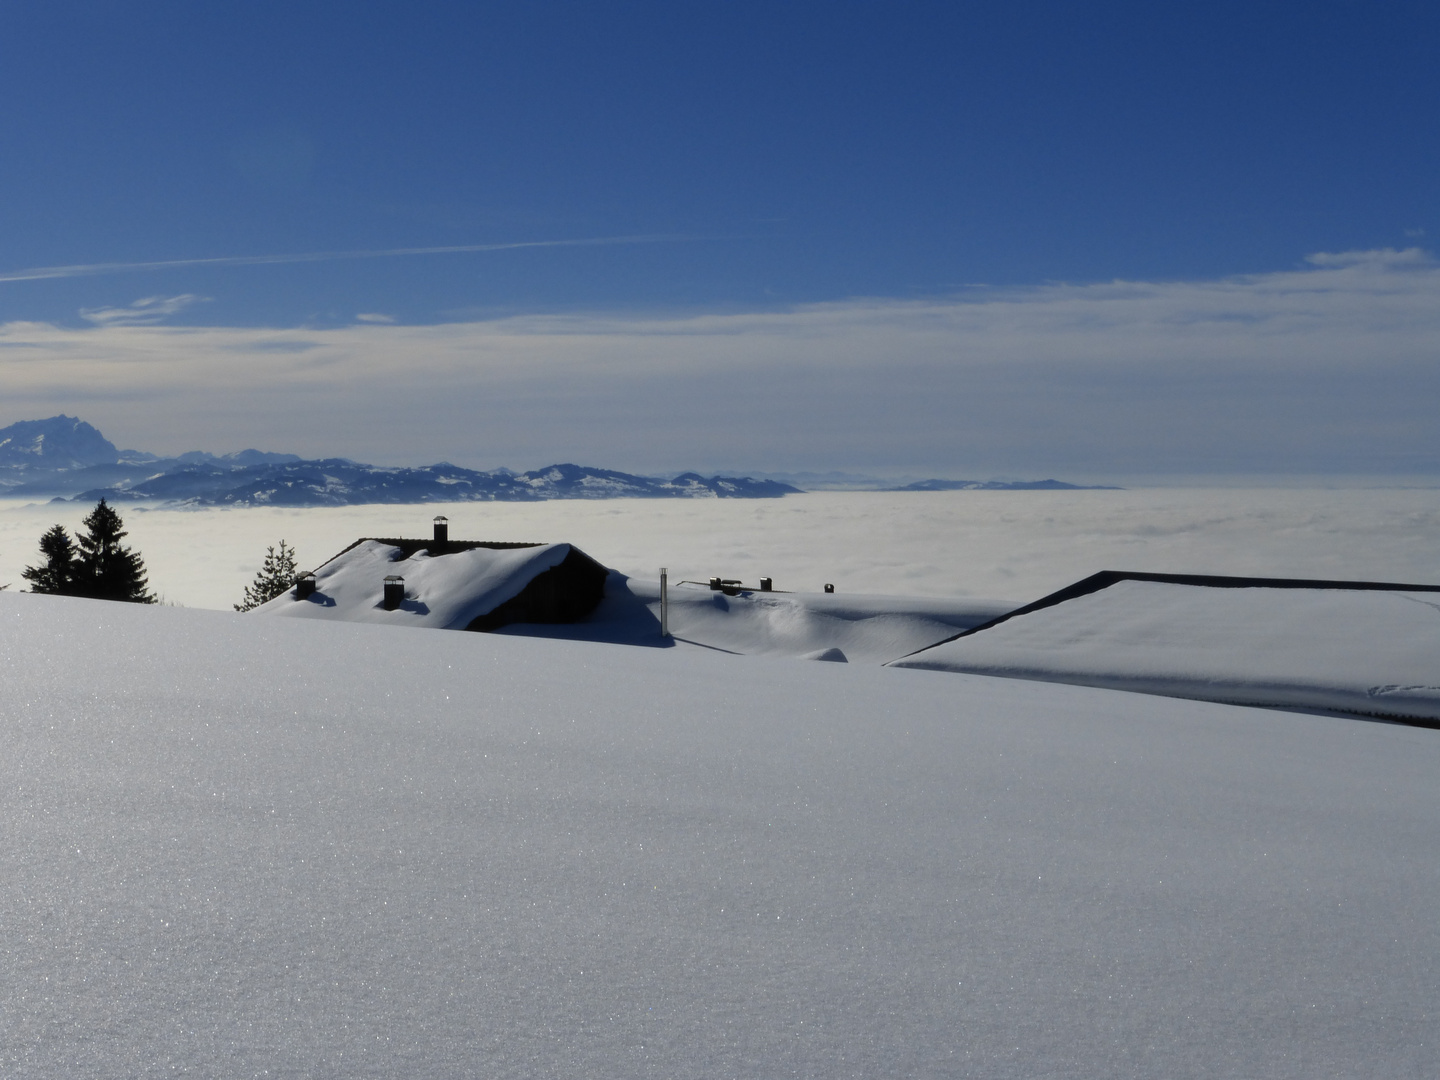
[1361, 647]
[447, 584]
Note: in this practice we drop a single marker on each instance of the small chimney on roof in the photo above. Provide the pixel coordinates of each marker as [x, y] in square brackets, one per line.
[394, 591]
[304, 586]
[442, 530]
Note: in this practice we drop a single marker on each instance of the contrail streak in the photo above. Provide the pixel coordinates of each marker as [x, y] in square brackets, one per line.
[42, 273]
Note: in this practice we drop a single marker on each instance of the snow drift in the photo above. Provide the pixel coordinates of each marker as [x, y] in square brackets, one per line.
[858, 629]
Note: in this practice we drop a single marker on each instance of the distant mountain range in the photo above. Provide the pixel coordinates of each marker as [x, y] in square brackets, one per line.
[1000, 485]
[67, 458]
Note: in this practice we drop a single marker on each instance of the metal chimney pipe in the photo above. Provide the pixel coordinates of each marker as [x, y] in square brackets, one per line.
[664, 604]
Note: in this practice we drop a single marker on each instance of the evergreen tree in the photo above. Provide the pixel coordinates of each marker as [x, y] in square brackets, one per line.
[108, 569]
[276, 576]
[57, 574]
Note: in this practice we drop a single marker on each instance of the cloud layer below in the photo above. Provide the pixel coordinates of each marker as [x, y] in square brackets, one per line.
[1328, 369]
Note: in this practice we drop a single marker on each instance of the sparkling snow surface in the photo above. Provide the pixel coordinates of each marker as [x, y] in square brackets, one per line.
[1365, 651]
[238, 846]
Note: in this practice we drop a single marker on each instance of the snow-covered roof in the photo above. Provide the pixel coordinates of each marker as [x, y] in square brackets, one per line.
[1372, 649]
[442, 592]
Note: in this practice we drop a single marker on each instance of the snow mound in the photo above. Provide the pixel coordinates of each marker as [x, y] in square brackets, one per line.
[866, 629]
[863, 629]
[1363, 651]
[442, 592]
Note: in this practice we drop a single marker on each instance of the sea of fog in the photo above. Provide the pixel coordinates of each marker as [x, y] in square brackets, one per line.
[1006, 545]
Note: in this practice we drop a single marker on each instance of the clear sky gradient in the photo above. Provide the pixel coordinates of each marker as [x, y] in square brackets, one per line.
[371, 168]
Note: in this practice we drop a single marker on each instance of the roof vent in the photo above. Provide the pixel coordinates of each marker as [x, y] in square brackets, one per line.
[394, 591]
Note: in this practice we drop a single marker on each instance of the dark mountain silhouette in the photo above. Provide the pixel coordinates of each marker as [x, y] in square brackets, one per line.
[338, 482]
[65, 457]
[62, 442]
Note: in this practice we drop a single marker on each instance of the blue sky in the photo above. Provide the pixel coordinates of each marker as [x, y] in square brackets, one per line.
[665, 161]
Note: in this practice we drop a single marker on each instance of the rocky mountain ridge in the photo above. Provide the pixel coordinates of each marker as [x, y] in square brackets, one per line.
[64, 457]
[67, 458]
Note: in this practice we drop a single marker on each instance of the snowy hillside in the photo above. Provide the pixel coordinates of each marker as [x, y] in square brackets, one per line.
[1372, 652]
[239, 846]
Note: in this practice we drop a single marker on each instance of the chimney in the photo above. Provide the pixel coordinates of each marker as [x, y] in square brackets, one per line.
[766, 585]
[304, 586]
[394, 591]
[829, 587]
[442, 531]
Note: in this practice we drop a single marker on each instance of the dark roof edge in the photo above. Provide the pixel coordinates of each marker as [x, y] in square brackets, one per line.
[1105, 578]
[410, 547]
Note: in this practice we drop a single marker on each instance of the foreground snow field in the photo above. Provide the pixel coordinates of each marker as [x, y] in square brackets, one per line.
[240, 846]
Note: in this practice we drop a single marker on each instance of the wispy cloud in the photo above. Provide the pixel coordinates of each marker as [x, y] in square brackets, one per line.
[42, 273]
[374, 317]
[146, 312]
[1327, 368]
[1378, 258]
